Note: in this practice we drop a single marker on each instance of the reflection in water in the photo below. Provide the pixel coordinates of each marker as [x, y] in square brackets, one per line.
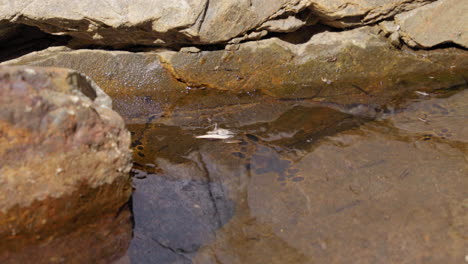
[173, 218]
[309, 184]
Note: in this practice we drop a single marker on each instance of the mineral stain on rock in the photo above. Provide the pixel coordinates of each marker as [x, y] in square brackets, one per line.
[64, 165]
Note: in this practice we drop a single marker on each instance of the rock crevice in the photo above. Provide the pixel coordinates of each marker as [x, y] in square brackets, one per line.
[182, 23]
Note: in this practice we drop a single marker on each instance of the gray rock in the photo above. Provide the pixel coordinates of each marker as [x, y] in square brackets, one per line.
[441, 22]
[388, 27]
[252, 36]
[122, 23]
[288, 24]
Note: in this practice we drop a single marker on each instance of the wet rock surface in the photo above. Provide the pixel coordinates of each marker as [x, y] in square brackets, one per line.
[354, 66]
[342, 68]
[133, 80]
[310, 185]
[64, 169]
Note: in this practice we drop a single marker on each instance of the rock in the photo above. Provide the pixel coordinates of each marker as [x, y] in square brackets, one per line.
[288, 24]
[438, 23]
[121, 23]
[190, 49]
[350, 67]
[170, 23]
[389, 27]
[251, 36]
[394, 39]
[354, 66]
[133, 80]
[64, 168]
[345, 13]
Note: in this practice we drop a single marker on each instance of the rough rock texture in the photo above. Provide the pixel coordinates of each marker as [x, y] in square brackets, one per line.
[132, 79]
[64, 164]
[348, 67]
[354, 66]
[346, 13]
[440, 22]
[121, 23]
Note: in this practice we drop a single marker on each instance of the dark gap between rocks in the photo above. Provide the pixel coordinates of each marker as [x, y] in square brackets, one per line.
[446, 45]
[303, 34]
[18, 40]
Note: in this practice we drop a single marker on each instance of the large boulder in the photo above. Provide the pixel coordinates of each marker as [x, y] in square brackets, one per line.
[64, 169]
[123, 23]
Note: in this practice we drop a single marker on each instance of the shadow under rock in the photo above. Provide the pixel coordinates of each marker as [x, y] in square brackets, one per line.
[18, 40]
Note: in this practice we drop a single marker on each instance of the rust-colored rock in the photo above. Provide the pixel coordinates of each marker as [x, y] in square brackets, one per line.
[349, 67]
[63, 169]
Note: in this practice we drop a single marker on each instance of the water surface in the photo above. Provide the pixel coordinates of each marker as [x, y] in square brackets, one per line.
[303, 182]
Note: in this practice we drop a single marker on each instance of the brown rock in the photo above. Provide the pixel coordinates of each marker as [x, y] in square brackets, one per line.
[64, 166]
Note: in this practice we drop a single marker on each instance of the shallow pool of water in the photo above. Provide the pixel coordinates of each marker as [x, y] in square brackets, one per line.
[303, 182]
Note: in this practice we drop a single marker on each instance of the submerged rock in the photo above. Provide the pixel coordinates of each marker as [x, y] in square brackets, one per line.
[168, 23]
[137, 82]
[64, 169]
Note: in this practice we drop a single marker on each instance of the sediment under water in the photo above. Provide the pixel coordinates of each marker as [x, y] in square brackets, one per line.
[303, 182]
